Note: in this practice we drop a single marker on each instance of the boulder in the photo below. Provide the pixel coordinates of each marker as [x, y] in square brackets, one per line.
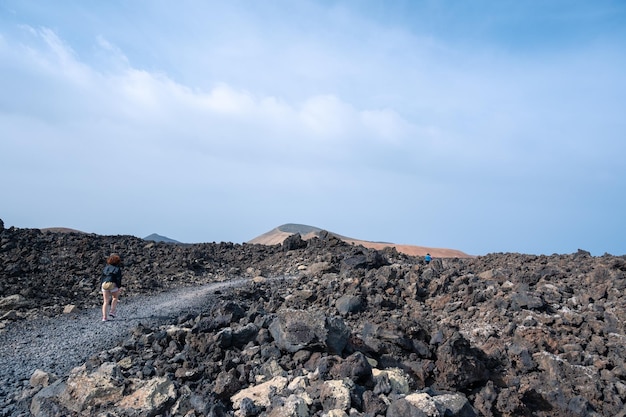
[335, 395]
[41, 378]
[85, 389]
[294, 242]
[347, 304]
[149, 398]
[13, 302]
[45, 403]
[294, 330]
[259, 394]
[459, 364]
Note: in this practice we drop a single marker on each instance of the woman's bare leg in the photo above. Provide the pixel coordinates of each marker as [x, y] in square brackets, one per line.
[116, 298]
[106, 296]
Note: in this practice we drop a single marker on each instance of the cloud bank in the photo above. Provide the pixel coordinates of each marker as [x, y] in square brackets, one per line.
[422, 124]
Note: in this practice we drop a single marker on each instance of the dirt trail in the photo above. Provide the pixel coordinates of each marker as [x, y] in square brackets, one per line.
[58, 344]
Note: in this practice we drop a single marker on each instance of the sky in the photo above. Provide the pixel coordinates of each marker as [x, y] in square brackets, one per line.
[486, 126]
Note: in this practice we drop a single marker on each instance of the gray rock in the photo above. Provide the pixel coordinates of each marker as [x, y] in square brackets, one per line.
[348, 304]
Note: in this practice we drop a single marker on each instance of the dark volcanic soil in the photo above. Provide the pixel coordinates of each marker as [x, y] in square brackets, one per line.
[353, 332]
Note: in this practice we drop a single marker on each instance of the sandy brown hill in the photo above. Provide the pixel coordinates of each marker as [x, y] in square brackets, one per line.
[280, 233]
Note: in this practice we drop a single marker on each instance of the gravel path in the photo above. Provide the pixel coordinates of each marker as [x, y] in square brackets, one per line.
[58, 344]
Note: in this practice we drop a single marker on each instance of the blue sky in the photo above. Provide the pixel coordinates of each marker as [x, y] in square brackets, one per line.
[484, 126]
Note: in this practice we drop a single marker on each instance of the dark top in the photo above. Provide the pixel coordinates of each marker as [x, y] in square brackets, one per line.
[112, 273]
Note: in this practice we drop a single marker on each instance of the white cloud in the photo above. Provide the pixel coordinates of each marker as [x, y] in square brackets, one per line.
[326, 116]
[386, 124]
[58, 59]
[112, 56]
[225, 100]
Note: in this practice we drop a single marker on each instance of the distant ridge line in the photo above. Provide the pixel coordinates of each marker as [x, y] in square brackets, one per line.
[279, 234]
[60, 230]
[158, 238]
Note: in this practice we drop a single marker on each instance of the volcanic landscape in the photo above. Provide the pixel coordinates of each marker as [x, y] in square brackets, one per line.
[311, 324]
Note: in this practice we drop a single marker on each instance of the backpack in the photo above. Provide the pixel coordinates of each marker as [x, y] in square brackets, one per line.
[109, 272]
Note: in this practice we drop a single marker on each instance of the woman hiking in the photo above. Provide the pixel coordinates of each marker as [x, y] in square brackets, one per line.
[111, 285]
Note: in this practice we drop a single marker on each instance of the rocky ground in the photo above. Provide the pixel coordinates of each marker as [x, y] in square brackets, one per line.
[348, 331]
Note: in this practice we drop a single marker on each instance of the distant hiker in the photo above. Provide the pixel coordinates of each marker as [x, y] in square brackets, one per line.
[111, 285]
[427, 258]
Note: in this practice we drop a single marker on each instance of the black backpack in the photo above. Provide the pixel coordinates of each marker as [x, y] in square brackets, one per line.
[109, 272]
